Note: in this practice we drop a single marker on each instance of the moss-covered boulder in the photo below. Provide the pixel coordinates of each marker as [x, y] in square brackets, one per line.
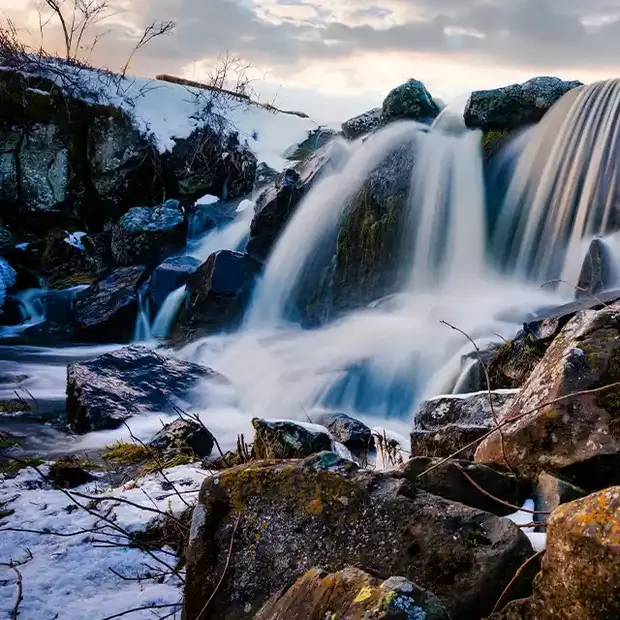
[352, 594]
[280, 519]
[410, 100]
[579, 578]
[515, 106]
[578, 436]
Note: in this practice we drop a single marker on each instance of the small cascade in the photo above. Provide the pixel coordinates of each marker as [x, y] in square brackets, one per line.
[565, 186]
[316, 222]
[142, 331]
[167, 313]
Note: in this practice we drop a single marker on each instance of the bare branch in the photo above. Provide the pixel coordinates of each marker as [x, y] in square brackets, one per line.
[154, 30]
[498, 605]
[143, 608]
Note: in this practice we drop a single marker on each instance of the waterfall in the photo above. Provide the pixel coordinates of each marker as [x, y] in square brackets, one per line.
[142, 331]
[316, 220]
[167, 313]
[565, 186]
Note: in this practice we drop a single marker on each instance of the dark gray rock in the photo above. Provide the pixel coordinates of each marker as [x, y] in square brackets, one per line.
[412, 101]
[169, 276]
[448, 423]
[265, 175]
[448, 481]
[598, 272]
[10, 139]
[354, 434]
[6, 238]
[184, 437]
[219, 292]
[363, 124]
[146, 235]
[277, 203]
[551, 491]
[287, 440]
[324, 511]
[104, 392]
[68, 473]
[515, 106]
[206, 217]
[107, 310]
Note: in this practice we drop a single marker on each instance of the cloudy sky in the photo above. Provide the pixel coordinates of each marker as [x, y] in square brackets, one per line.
[336, 58]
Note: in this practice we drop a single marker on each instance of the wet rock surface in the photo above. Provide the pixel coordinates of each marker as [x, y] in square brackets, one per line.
[104, 392]
[410, 100]
[598, 272]
[170, 275]
[107, 310]
[362, 124]
[348, 431]
[352, 594]
[183, 437]
[291, 516]
[576, 434]
[579, 578]
[287, 440]
[518, 105]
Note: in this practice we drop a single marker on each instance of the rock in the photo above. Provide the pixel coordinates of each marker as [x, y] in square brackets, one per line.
[205, 163]
[146, 235]
[552, 491]
[219, 292]
[515, 106]
[184, 437]
[448, 481]
[598, 272]
[579, 578]
[448, 423]
[410, 100]
[169, 276]
[124, 167]
[346, 430]
[104, 392]
[288, 440]
[277, 203]
[265, 175]
[578, 436]
[6, 239]
[363, 124]
[7, 280]
[9, 176]
[316, 140]
[352, 594]
[98, 250]
[69, 473]
[110, 305]
[291, 516]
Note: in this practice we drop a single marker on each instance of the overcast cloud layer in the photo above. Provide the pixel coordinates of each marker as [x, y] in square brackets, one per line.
[360, 48]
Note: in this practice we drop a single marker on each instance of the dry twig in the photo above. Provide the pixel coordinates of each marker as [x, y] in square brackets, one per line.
[512, 581]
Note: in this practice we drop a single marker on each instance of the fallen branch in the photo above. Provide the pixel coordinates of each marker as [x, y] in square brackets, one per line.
[523, 566]
[201, 615]
[497, 499]
[20, 592]
[489, 390]
[143, 608]
[516, 418]
[577, 288]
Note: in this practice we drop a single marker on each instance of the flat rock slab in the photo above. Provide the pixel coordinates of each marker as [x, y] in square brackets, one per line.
[104, 392]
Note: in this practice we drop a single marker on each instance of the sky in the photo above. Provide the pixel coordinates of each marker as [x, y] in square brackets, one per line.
[337, 58]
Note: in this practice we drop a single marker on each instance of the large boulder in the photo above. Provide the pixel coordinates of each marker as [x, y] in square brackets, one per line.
[219, 292]
[108, 309]
[412, 101]
[352, 594]
[146, 235]
[283, 439]
[362, 124]
[445, 424]
[278, 201]
[598, 272]
[170, 275]
[183, 437]
[352, 433]
[517, 105]
[578, 436]
[104, 392]
[579, 578]
[291, 516]
[7, 243]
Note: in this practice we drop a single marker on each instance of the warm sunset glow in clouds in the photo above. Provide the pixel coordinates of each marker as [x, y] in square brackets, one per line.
[335, 58]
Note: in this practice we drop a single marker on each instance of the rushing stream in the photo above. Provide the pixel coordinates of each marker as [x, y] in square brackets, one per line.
[378, 362]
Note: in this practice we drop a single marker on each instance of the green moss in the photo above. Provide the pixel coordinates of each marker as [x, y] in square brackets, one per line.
[14, 406]
[10, 467]
[125, 453]
[494, 141]
[154, 464]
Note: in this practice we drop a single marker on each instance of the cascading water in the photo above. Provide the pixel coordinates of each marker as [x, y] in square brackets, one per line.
[565, 186]
[167, 313]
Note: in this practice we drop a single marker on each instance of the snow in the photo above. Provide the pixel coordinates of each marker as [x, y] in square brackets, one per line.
[70, 578]
[75, 239]
[7, 279]
[207, 200]
[538, 539]
[22, 246]
[167, 112]
[244, 205]
[387, 461]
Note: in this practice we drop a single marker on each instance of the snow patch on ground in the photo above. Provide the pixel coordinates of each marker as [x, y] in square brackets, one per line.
[70, 578]
[538, 539]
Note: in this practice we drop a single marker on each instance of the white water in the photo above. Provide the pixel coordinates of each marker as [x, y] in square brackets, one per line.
[167, 313]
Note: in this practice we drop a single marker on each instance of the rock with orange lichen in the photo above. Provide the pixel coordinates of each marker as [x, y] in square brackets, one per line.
[288, 517]
[580, 578]
[352, 594]
[579, 436]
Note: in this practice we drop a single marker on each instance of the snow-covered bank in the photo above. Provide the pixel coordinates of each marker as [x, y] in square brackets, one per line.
[74, 577]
